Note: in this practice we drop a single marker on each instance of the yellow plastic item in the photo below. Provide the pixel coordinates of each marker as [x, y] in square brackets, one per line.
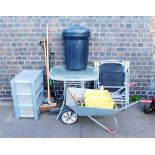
[93, 92]
[98, 99]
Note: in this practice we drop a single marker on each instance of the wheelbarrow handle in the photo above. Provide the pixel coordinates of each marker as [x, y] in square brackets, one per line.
[146, 101]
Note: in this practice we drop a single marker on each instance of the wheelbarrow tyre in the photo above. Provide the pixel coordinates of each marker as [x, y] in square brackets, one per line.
[68, 116]
[148, 109]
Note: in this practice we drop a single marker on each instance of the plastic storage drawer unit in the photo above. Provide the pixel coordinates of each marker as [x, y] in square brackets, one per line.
[28, 93]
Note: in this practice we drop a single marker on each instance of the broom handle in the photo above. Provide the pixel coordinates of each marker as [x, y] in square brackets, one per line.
[45, 53]
[47, 67]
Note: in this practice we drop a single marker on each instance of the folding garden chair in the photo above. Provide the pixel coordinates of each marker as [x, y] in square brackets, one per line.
[114, 76]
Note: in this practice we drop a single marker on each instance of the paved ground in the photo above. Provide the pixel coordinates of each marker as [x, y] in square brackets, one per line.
[132, 123]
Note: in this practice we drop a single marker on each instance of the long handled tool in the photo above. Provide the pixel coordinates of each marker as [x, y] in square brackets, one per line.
[45, 54]
[78, 101]
[44, 43]
[47, 66]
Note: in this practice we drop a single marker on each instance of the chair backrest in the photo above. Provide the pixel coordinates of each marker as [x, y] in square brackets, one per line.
[111, 74]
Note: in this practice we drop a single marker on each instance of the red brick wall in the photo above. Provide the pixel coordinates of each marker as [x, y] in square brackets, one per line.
[126, 38]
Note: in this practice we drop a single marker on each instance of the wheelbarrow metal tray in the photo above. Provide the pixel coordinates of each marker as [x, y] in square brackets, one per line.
[82, 110]
[87, 111]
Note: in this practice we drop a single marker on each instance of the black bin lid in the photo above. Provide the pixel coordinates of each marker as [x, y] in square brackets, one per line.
[76, 31]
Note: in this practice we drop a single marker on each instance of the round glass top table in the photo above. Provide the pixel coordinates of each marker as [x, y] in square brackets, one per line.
[60, 73]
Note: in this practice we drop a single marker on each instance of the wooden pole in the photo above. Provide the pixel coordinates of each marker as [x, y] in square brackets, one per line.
[47, 66]
[45, 53]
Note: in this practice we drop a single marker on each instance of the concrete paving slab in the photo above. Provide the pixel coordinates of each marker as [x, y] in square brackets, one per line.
[133, 123]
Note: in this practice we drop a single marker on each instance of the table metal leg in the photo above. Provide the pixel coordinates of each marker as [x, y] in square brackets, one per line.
[61, 109]
[63, 104]
[82, 84]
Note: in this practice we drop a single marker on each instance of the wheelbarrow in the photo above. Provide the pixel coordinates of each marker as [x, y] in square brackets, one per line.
[70, 110]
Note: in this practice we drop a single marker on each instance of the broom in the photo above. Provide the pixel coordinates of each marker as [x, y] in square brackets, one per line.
[47, 107]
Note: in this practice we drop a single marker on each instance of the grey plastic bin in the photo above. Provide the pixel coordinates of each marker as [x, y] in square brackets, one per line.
[28, 93]
[76, 43]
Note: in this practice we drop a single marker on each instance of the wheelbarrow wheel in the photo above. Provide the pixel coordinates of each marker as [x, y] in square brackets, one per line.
[68, 116]
[148, 108]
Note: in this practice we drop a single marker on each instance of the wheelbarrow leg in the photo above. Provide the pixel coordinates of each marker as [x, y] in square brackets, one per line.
[104, 127]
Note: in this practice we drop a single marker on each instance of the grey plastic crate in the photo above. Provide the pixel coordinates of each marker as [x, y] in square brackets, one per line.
[28, 93]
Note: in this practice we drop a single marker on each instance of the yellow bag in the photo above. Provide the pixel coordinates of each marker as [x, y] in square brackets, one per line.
[98, 99]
